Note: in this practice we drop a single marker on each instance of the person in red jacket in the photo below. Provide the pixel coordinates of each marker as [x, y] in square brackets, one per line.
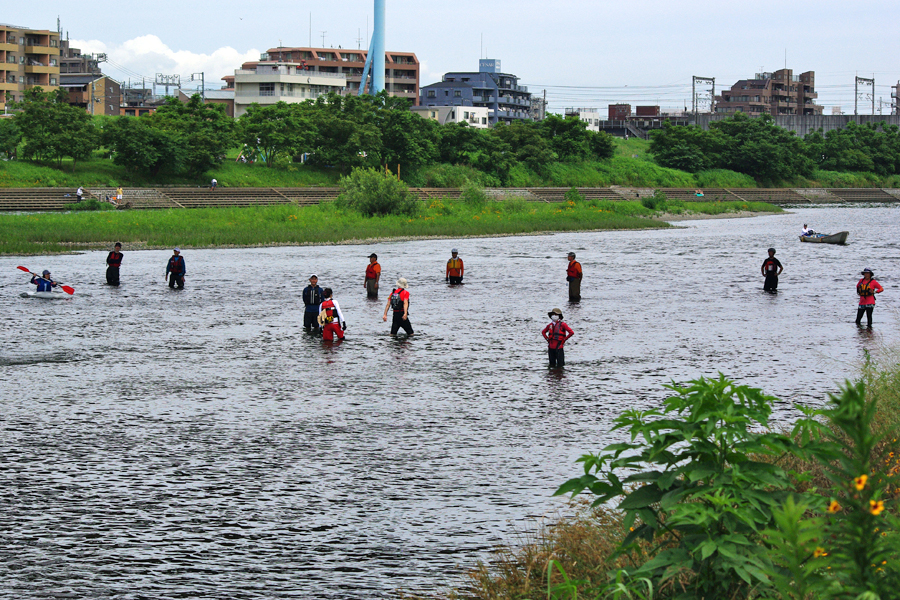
[556, 333]
[331, 319]
[373, 275]
[866, 288]
[573, 276]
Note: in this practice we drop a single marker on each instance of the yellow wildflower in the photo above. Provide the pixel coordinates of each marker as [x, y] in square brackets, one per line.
[819, 552]
[875, 507]
[834, 507]
[860, 482]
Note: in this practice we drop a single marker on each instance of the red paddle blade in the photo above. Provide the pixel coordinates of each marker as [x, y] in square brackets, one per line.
[67, 289]
[23, 269]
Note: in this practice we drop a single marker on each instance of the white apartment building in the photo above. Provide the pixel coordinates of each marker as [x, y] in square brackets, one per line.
[272, 82]
[591, 116]
[473, 116]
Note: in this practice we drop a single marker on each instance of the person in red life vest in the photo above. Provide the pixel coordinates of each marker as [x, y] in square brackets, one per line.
[373, 275]
[556, 333]
[176, 270]
[573, 276]
[331, 319]
[866, 288]
[455, 268]
[399, 303]
[771, 268]
[113, 262]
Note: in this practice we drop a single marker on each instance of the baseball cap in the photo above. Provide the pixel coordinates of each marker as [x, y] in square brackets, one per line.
[313, 275]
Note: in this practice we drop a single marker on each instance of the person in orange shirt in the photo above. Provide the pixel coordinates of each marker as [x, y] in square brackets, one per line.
[455, 268]
[373, 274]
[573, 276]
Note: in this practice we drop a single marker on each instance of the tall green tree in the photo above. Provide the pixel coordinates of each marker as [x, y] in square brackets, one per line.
[53, 129]
[346, 134]
[276, 130]
[10, 137]
[206, 132]
[139, 147]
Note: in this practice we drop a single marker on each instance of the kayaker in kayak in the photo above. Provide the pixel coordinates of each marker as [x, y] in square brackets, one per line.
[44, 283]
[176, 270]
[866, 288]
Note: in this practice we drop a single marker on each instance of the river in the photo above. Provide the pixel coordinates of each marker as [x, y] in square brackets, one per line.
[185, 444]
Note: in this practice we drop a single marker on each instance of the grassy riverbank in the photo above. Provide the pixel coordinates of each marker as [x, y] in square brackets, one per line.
[44, 233]
[810, 547]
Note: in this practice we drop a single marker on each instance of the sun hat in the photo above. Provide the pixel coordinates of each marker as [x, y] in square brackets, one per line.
[555, 311]
[867, 270]
[402, 283]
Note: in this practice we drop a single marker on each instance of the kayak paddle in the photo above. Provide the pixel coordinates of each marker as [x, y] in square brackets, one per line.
[65, 288]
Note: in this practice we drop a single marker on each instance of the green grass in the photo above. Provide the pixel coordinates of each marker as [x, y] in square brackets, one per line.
[44, 233]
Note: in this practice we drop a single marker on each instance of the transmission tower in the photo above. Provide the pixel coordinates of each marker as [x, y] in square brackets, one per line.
[705, 97]
[867, 96]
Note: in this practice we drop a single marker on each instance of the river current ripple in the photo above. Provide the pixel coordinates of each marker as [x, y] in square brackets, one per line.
[196, 444]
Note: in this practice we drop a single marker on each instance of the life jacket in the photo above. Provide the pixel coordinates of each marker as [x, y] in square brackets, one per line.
[557, 333]
[396, 300]
[864, 288]
[455, 266]
[574, 269]
[330, 312]
[770, 266]
[42, 284]
[176, 265]
[114, 259]
[371, 273]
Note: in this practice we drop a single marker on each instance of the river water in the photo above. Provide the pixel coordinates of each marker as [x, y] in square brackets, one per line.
[185, 444]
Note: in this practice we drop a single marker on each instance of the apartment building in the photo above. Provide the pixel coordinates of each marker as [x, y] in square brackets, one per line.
[590, 116]
[28, 58]
[401, 69]
[268, 82]
[473, 116]
[489, 87]
[96, 94]
[71, 60]
[778, 93]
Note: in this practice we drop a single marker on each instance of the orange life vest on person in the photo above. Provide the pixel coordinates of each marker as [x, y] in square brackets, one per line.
[372, 270]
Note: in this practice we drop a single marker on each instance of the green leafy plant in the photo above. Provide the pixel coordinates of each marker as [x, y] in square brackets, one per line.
[696, 484]
[573, 195]
[374, 193]
[655, 202]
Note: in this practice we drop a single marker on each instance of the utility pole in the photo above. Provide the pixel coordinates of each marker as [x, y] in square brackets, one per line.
[864, 81]
[323, 38]
[202, 84]
[702, 80]
[167, 80]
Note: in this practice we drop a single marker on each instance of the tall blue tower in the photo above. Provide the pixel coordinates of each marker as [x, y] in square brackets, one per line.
[375, 59]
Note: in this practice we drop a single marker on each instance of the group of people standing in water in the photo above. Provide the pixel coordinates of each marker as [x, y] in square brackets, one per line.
[866, 287]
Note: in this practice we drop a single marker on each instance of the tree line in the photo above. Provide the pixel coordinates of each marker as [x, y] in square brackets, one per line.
[334, 131]
[768, 153]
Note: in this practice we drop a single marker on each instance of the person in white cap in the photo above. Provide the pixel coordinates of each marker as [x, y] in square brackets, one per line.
[176, 270]
[556, 333]
[455, 268]
[313, 296]
[399, 302]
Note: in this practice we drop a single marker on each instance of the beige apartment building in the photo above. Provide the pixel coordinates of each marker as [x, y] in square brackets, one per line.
[401, 69]
[778, 93]
[28, 58]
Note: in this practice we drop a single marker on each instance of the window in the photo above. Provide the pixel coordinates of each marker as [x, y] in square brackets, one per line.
[466, 115]
[53, 81]
[484, 120]
[21, 60]
[431, 93]
[433, 114]
[457, 94]
[446, 92]
[267, 89]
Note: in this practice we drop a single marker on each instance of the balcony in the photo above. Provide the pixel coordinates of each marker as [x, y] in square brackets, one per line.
[40, 69]
[8, 87]
[8, 47]
[39, 49]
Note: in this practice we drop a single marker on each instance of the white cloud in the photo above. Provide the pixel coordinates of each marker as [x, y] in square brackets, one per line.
[147, 55]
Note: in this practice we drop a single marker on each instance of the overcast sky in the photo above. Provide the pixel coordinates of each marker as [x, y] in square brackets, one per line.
[584, 54]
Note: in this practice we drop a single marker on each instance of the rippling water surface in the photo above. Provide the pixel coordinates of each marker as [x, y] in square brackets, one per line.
[180, 444]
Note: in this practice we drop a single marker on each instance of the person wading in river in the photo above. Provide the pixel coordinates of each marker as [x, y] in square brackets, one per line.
[455, 268]
[399, 302]
[176, 270]
[113, 262]
[573, 276]
[331, 319]
[556, 333]
[866, 288]
[312, 298]
[771, 268]
[373, 275]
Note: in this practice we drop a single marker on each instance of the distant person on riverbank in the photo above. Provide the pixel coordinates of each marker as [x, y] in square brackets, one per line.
[213, 184]
[455, 268]
[313, 296]
[771, 269]
[176, 270]
[399, 303]
[79, 194]
[113, 262]
[330, 318]
[373, 275]
[556, 333]
[120, 193]
[573, 276]
[866, 288]
[44, 283]
[698, 193]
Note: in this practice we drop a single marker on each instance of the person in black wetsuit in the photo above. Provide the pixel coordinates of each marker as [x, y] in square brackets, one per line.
[114, 261]
[313, 296]
[771, 269]
[176, 270]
